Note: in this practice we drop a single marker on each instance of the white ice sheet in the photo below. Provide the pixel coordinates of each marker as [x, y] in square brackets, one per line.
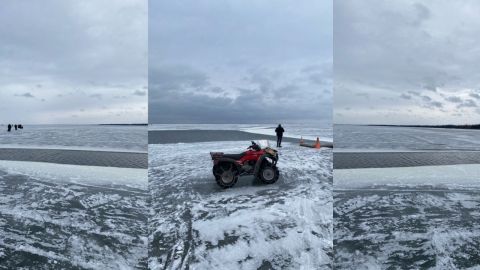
[451, 176]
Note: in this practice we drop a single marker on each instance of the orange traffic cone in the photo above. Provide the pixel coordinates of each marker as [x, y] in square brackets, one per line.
[317, 144]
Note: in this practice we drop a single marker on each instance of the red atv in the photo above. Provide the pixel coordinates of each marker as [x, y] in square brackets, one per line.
[262, 163]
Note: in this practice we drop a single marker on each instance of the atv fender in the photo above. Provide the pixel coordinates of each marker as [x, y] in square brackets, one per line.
[259, 163]
[228, 160]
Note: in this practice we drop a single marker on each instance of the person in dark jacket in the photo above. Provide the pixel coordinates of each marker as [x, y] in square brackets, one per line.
[15, 126]
[9, 127]
[279, 130]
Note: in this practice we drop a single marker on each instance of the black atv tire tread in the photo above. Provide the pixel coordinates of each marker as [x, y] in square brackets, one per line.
[275, 179]
[219, 181]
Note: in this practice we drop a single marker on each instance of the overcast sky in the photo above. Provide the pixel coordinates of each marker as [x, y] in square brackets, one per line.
[407, 62]
[236, 61]
[73, 62]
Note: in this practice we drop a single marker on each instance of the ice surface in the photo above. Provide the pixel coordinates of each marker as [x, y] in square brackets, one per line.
[201, 126]
[296, 131]
[367, 138]
[85, 175]
[307, 131]
[57, 216]
[196, 224]
[82, 137]
[66, 216]
[451, 176]
[408, 218]
[407, 229]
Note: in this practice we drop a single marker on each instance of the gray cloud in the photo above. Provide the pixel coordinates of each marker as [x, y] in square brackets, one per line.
[140, 93]
[232, 62]
[454, 99]
[50, 49]
[422, 12]
[468, 104]
[27, 95]
[474, 95]
[365, 95]
[417, 68]
[436, 104]
[426, 98]
[98, 96]
[194, 100]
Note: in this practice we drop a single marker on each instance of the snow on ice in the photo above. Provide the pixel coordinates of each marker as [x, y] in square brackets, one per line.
[67, 216]
[410, 217]
[197, 224]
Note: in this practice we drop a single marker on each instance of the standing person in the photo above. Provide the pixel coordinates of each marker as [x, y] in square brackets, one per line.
[9, 127]
[15, 126]
[279, 130]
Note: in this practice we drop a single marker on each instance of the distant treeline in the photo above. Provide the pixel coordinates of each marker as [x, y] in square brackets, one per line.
[434, 126]
[123, 124]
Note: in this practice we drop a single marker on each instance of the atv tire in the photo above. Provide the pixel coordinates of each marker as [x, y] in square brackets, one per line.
[268, 174]
[226, 174]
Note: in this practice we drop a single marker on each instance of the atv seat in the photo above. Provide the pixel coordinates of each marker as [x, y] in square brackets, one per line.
[234, 156]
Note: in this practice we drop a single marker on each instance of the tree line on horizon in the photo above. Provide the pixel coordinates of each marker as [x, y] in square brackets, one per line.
[476, 126]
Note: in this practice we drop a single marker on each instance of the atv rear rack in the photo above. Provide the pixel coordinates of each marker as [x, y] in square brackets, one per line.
[216, 155]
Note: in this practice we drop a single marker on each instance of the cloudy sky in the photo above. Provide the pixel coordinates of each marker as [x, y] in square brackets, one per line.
[235, 61]
[73, 62]
[407, 62]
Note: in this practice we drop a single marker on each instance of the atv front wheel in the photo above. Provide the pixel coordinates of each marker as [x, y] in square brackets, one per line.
[269, 174]
[226, 174]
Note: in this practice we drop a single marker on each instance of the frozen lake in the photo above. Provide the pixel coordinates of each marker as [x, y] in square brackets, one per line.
[411, 217]
[56, 216]
[406, 198]
[196, 224]
[374, 138]
[73, 197]
[294, 130]
[383, 159]
[83, 137]
[77, 157]
[192, 136]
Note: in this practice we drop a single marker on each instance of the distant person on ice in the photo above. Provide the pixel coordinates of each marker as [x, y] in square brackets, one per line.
[9, 127]
[279, 130]
[15, 126]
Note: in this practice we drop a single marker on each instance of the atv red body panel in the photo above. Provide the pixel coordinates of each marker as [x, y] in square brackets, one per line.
[249, 155]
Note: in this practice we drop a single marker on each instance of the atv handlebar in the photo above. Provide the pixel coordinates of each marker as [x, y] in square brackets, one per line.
[254, 147]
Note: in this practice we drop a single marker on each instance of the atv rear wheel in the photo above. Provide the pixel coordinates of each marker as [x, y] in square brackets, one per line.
[226, 174]
[269, 174]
